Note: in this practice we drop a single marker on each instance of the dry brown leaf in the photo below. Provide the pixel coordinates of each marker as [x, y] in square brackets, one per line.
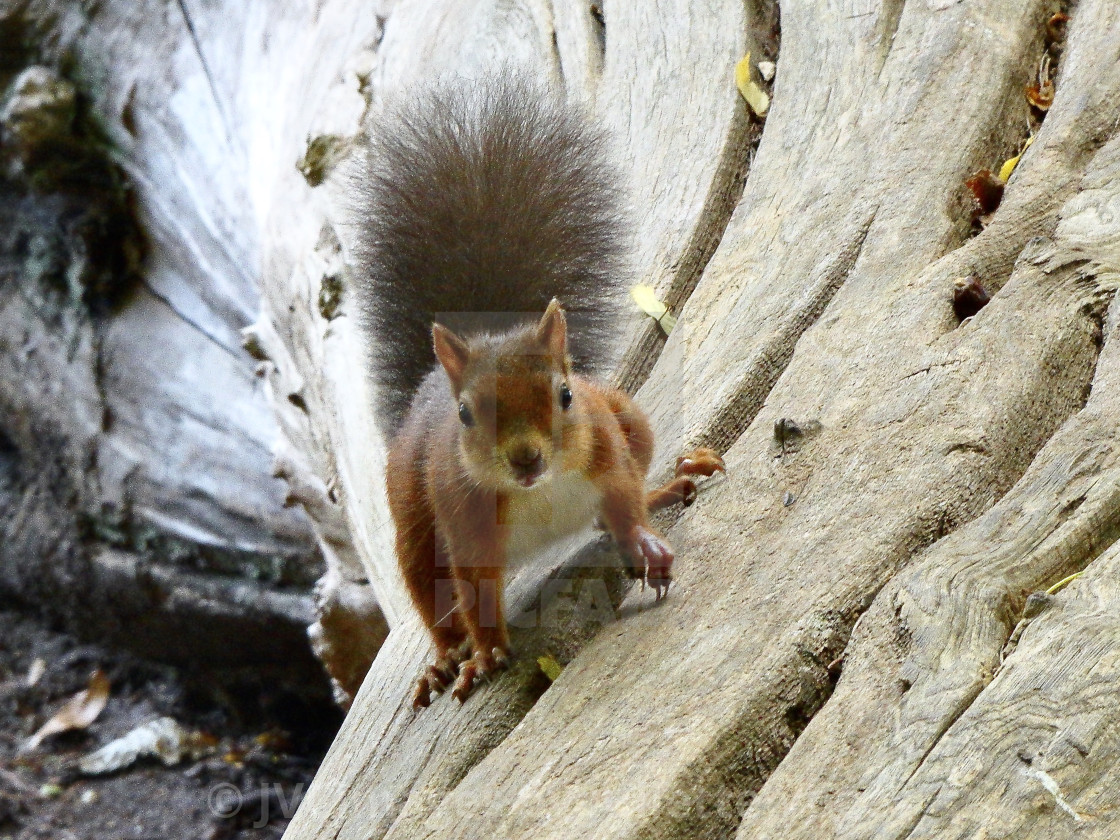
[987, 189]
[1041, 96]
[1056, 27]
[969, 297]
[79, 712]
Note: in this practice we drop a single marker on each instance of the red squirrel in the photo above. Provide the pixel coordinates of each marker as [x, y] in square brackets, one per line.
[492, 197]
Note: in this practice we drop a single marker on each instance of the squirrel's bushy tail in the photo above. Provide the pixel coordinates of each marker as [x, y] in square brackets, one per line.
[484, 197]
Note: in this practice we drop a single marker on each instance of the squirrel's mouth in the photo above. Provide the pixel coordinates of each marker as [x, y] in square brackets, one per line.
[528, 480]
[528, 465]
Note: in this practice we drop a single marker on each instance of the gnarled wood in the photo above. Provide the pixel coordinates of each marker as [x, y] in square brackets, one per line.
[136, 429]
[834, 658]
[828, 301]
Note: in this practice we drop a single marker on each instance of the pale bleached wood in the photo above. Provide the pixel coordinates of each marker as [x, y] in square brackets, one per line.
[145, 429]
[1034, 756]
[933, 639]
[179, 338]
[839, 154]
[684, 136]
[676, 720]
[303, 80]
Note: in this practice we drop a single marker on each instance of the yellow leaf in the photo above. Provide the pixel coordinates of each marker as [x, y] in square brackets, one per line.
[756, 97]
[647, 301]
[1010, 164]
[550, 666]
[743, 73]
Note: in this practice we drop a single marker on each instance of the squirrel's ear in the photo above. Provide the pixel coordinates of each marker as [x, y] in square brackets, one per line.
[552, 331]
[452, 353]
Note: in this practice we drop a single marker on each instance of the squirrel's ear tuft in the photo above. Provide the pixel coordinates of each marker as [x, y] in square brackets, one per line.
[552, 331]
[452, 353]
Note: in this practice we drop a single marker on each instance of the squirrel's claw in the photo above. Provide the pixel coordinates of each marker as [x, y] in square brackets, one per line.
[481, 666]
[438, 676]
[702, 461]
[432, 681]
[653, 558]
[422, 697]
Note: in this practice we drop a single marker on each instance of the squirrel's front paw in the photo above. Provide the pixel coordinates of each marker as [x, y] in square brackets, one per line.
[480, 666]
[653, 558]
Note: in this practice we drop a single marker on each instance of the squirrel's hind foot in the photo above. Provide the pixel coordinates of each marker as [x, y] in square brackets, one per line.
[481, 666]
[439, 675]
[682, 489]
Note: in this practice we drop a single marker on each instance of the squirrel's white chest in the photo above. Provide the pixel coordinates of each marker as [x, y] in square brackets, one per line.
[550, 512]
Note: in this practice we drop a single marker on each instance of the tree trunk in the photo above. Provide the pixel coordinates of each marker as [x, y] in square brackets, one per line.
[945, 470]
[137, 504]
[852, 647]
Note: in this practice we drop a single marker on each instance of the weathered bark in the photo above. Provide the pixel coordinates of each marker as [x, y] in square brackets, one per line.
[136, 500]
[827, 301]
[849, 649]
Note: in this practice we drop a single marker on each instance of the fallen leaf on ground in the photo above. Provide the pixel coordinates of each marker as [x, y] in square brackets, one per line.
[162, 738]
[79, 712]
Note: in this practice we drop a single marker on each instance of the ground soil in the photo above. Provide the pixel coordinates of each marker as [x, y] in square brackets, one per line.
[263, 746]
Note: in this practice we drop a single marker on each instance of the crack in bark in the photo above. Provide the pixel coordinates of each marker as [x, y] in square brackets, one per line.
[775, 355]
[888, 27]
[928, 368]
[727, 188]
[226, 123]
[190, 322]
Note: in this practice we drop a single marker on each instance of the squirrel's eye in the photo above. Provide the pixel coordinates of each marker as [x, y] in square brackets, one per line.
[465, 416]
[565, 397]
